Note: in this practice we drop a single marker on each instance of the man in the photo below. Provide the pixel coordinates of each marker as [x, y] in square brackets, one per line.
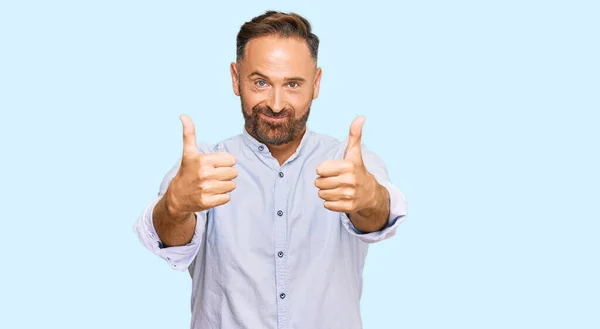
[273, 224]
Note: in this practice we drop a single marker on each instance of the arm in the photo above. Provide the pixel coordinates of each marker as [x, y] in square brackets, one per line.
[172, 228]
[177, 238]
[358, 187]
[177, 255]
[172, 225]
[370, 206]
[395, 204]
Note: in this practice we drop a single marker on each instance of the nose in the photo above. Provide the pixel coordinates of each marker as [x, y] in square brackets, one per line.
[275, 101]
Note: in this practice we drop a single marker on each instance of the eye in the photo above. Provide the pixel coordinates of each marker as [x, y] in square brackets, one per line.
[293, 84]
[261, 83]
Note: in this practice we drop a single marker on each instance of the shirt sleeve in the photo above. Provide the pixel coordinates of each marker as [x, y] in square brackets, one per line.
[398, 207]
[179, 257]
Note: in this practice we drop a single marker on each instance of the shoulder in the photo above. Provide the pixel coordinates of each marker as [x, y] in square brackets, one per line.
[230, 143]
[323, 140]
[225, 145]
[323, 145]
[335, 148]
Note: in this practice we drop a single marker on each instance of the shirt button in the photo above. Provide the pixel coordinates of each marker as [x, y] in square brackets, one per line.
[280, 254]
[280, 174]
[260, 148]
[282, 295]
[279, 213]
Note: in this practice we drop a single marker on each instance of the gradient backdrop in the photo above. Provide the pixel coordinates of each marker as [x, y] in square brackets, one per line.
[486, 113]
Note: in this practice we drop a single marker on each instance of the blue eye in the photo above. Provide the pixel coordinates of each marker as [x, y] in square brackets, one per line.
[261, 83]
[293, 84]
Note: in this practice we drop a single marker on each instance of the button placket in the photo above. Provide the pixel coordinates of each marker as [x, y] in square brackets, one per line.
[281, 266]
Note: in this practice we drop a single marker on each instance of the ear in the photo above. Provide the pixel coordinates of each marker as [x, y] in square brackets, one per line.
[235, 81]
[317, 84]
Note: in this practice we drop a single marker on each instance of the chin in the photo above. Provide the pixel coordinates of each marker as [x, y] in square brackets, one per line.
[271, 138]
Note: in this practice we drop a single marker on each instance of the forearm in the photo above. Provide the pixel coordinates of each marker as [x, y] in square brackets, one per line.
[374, 217]
[173, 229]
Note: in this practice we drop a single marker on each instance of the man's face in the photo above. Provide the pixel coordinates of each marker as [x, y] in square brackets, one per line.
[276, 81]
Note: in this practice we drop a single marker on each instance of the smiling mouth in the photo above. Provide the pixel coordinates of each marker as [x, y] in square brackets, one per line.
[268, 118]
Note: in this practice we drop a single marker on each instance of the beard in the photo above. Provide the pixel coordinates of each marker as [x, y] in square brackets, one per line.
[274, 133]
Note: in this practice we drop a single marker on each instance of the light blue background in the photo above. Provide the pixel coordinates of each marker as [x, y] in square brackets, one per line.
[486, 113]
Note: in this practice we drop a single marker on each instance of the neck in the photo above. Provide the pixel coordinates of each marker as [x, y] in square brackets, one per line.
[284, 151]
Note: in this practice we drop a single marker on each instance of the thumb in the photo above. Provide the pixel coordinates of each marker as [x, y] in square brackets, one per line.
[189, 135]
[355, 138]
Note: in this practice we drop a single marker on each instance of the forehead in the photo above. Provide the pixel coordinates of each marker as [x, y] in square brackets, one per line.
[277, 56]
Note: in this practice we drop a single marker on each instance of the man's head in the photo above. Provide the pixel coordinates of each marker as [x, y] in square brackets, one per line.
[276, 75]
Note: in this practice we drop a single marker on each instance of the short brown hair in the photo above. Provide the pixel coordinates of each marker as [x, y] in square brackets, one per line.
[277, 23]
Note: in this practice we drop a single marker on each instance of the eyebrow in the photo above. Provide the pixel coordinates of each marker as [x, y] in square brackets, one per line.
[267, 78]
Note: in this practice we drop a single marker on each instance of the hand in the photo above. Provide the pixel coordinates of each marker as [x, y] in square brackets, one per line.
[346, 185]
[203, 180]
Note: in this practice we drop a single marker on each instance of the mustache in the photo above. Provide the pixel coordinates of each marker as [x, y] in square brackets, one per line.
[268, 111]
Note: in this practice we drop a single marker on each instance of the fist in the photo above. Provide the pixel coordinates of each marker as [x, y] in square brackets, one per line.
[345, 185]
[203, 181]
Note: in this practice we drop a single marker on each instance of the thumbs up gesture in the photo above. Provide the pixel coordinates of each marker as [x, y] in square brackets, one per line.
[346, 185]
[203, 180]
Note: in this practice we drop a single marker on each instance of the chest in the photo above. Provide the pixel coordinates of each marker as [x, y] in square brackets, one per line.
[273, 207]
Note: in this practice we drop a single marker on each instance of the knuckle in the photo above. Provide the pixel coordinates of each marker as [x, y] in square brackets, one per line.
[350, 180]
[202, 200]
[349, 193]
[205, 185]
[203, 174]
[202, 158]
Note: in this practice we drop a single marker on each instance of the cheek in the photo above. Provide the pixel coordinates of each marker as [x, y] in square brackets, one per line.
[252, 95]
[250, 100]
[300, 102]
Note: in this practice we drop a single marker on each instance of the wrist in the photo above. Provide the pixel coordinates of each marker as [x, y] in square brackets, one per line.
[375, 200]
[170, 205]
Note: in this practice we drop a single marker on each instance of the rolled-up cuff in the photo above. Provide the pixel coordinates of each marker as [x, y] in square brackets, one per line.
[397, 215]
[179, 257]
